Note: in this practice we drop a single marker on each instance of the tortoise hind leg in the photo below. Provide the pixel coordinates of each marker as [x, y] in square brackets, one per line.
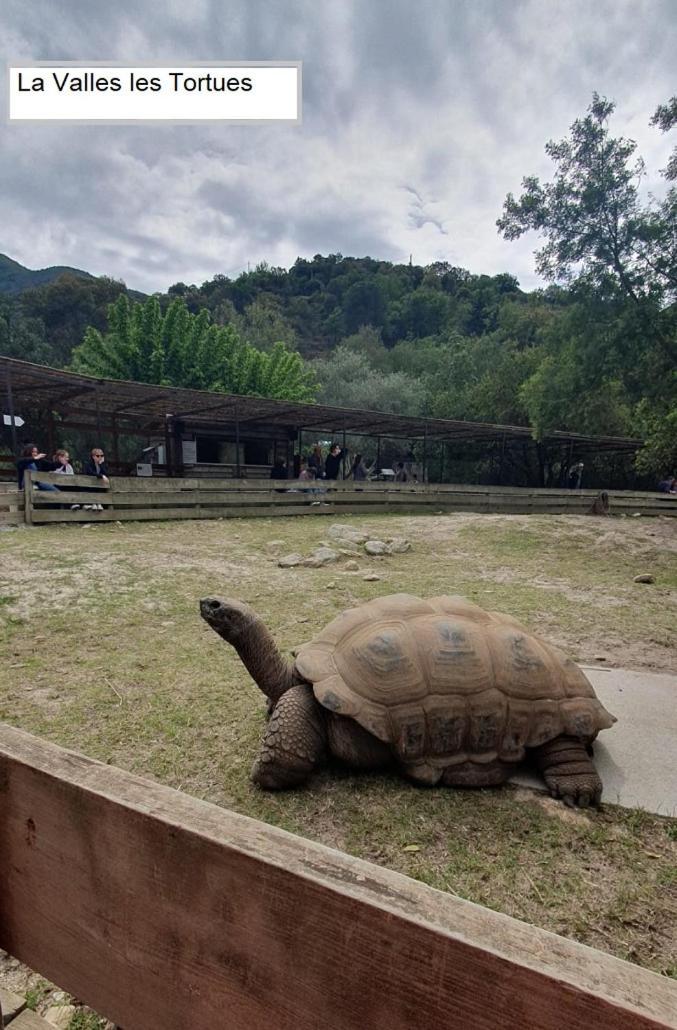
[569, 771]
[295, 741]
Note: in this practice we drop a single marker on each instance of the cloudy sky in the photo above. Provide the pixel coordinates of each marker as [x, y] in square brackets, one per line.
[418, 118]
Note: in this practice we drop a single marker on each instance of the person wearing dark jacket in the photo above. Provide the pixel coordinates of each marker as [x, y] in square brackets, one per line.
[32, 460]
[333, 462]
[279, 469]
[96, 466]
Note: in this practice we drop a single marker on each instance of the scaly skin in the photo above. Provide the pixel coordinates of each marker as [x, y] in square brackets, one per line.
[240, 626]
[295, 741]
[569, 771]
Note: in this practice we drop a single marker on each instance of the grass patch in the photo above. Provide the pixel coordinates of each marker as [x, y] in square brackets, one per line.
[103, 651]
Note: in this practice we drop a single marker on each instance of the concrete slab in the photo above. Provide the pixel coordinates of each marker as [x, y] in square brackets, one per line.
[636, 758]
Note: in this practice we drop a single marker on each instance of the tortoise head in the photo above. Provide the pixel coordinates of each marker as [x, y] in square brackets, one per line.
[239, 625]
[231, 619]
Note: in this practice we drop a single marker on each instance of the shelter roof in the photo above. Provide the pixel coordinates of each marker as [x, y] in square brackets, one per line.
[70, 393]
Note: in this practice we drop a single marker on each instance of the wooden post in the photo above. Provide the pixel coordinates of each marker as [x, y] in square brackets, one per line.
[378, 454]
[10, 411]
[28, 498]
[116, 442]
[162, 912]
[98, 415]
[51, 446]
[500, 462]
[343, 452]
[238, 469]
[425, 452]
[169, 464]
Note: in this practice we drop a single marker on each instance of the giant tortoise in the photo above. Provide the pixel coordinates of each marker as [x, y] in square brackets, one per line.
[448, 692]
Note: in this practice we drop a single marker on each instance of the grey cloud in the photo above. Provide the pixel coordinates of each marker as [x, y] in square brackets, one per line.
[417, 122]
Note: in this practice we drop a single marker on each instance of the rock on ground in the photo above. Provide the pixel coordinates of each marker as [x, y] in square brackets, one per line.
[339, 531]
[322, 556]
[398, 545]
[375, 547]
[290, 561]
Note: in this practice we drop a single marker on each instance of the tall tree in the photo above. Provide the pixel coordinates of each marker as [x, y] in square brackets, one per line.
[178, 348]
[590, 214]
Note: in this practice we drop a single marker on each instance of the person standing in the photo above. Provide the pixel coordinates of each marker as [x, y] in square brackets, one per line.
[575, 476]
[333, 462]
[358, 471]
[315, 461]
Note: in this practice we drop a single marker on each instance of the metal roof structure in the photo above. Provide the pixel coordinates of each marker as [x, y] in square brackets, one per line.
[27, 386]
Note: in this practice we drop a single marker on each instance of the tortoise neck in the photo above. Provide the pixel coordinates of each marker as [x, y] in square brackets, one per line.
[273, 673]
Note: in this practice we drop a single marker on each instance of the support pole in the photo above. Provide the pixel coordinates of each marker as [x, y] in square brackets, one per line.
[50, 434]
[10, 411]
[378, 455]
[169, 465]
[343, 452]
[238, 470]
[98, 414]
[425, 452]
[116, 442]
[501, 460]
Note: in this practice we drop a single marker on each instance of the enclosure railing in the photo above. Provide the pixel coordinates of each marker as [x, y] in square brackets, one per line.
[164, 912]
[11, 505]
[139, 498]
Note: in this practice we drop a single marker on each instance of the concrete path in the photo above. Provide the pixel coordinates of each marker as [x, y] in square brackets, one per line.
[636, 758]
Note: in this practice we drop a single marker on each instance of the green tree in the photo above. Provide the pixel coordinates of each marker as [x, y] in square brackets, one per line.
[178, 348]
[347, 379]
[589, 215]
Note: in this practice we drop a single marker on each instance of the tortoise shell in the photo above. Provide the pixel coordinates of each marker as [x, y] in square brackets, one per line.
[444, 682]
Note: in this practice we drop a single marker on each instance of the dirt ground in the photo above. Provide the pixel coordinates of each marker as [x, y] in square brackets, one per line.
[141, 682]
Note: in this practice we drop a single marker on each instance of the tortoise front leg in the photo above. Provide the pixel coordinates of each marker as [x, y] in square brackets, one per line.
[294, 743]
[569, 771]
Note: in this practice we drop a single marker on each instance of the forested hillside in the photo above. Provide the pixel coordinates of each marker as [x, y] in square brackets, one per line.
[14, 278]
[593, 352]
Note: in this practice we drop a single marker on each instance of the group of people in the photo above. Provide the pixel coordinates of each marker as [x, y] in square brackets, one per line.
[668, 485]
[316, 466]
[34, 460]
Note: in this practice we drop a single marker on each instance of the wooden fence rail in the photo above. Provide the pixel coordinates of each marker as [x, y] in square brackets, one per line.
[132, 498]
[11, 505]
[163, 912]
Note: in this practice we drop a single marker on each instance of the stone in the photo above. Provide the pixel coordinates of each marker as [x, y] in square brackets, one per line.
[339, 531]
[375, 547]
[11, 1004]
[351, 566]
[290, 561]
[371, 577]
[330, 586]
[644, 578]
[398, 545]
[60, 1015]
[322, 556]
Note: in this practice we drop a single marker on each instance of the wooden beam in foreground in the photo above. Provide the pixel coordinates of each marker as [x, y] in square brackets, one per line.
[163, 912]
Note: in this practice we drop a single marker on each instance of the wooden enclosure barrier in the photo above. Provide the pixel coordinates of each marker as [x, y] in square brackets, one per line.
[164, 912]
[11, 505]
[132, 498]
